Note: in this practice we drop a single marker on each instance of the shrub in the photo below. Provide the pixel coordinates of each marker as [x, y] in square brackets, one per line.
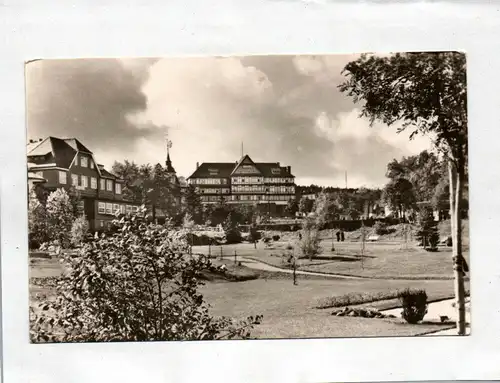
[276, 237]
[380, 228]
[60, 214]
[37, 222]
[231, 231]
[309, 244]
[79, 230]
[137, 284]
[414, 304]
[254, 235]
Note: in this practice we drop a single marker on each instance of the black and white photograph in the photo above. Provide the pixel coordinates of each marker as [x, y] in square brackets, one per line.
[248, 197]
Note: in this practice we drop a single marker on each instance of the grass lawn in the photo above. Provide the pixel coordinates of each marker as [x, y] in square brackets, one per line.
[288, 310]
[380, 260]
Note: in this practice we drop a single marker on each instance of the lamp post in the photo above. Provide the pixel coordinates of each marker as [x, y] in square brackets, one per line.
[268, 191]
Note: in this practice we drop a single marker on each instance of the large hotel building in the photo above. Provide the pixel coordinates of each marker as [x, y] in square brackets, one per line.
[245, 182]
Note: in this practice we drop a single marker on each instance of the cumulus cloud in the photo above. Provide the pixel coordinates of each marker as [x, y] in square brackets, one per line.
[91, 100]
[282, 108]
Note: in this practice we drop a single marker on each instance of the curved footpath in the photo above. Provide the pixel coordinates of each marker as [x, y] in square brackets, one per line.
[258, 265]
[254, 263]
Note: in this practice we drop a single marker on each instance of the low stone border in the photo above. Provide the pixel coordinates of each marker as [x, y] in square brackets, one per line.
[361, 312]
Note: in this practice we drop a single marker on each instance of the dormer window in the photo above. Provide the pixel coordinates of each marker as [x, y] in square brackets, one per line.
[84, 162]
[92, 164]
[276, 171]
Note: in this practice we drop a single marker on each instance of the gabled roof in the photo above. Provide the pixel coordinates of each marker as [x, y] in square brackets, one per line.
[39, 148]
[245, 160]
[106, 174]
[273, 169]
[77, 145]
[226, 169]
[64, 151]
[207, 169]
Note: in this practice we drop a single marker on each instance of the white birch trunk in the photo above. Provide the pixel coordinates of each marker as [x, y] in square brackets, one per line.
[456, 186]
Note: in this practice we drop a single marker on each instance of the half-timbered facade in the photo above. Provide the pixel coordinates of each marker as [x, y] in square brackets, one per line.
[245, 182]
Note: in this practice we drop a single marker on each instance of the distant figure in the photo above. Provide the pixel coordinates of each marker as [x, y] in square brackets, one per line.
[342, 237]
[465, 266]
[338, 236]
[300, 236]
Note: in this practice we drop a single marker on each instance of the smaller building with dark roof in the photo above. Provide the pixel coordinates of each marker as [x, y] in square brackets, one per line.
[245, 182]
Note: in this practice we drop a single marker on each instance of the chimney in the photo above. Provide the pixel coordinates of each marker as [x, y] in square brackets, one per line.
[31, 141]
[289, 169]
[197, 165]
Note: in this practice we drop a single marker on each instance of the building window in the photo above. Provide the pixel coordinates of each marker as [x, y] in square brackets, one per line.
[84, 162]
[101, 223]
[62, 177]
[93, 182]
[74, 179]
[109, 208]
[109, 185]
[101, 209]
[129, 209]
[116, 208]
[103, 184]
[118, 188]
[85, 181]
[91, 164]
[122, 209]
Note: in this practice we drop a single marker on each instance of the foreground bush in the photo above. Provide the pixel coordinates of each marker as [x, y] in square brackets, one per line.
[134, 285]
[414, 304]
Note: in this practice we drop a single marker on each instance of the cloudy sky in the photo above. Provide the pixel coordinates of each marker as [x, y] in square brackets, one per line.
[283, 108]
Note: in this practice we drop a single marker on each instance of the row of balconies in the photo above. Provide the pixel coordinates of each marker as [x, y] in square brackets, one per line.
[203, 191]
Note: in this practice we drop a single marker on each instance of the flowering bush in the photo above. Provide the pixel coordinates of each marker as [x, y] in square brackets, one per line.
[79, 230]
[136, 284]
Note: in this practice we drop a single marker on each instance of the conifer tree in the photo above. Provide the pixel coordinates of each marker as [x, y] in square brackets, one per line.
[427, 232]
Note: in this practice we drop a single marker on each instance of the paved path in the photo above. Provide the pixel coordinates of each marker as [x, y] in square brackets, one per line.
[437, 309]
[253, 264]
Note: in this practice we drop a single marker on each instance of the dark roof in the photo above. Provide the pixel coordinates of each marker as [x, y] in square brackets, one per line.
[77, 145]
[106, 174]
[266, 168]
[63, 152]
[225, 169]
